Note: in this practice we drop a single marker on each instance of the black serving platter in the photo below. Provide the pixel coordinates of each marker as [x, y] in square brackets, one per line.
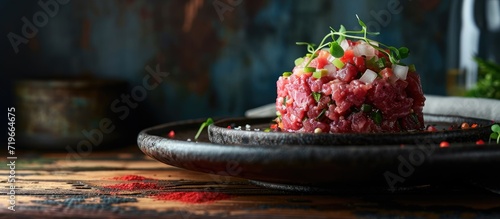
[320, 167]
[219, 133]
[285, 166]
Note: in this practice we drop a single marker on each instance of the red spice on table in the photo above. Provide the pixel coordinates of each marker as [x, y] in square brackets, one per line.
[133, 186]
[131, 178]
[189, 197]
[479, 142]
[192, 197]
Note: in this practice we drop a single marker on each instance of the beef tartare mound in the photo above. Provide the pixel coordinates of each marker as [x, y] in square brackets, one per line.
[348, 86]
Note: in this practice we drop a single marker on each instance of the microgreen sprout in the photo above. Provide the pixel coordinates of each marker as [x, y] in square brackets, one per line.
[203, 125]
[394, 54]
[496, 133]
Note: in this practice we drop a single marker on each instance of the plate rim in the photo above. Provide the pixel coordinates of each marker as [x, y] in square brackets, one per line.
[216, 129]
[188, 155]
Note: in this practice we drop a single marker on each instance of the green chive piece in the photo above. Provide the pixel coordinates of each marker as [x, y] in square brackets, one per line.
[366, 108]
[287, 74]
[339, 64]
[299, 61]
[309, 69]
[319, 74]
[310, 55]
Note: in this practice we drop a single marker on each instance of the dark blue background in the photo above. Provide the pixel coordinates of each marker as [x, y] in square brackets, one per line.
[217, 67]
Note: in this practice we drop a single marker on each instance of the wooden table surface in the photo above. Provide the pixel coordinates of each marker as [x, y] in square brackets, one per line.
[54, 185]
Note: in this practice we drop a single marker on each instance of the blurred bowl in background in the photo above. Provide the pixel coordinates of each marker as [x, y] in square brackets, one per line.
[61, 113]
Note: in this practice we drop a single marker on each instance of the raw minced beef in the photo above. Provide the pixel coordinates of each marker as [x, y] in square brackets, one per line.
[339, 100]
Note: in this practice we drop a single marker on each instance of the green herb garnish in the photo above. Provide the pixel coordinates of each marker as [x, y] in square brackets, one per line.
[299, 61]
[496, 133]
[336, 50]
[309, 69]
[316, 96]
[412, 68]
[488, 84]
[321, 114]
[377, 117]
[319, 74]
[395, 54]
[203, 125]
[339, 64]
[366, 108]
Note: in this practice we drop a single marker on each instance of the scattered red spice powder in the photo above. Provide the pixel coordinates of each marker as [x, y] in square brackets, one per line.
[192, 197]
[479, 142]
[131, 178]
[134, 186]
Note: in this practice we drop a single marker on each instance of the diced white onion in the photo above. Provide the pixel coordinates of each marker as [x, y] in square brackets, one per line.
[330, 58]
[400, 71]
[364, 49]
[332, 70]
[344, 44]
[368, 77]
[298, 71]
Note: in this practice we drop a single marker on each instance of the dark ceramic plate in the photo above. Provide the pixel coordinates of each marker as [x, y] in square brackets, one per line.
[220, 134]
[319, 166]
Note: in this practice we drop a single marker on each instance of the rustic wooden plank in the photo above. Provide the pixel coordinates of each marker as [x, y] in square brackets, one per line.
[52, 186]
[280, 206]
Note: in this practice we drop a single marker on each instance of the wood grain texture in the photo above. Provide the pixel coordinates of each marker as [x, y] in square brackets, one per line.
[52, 186]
